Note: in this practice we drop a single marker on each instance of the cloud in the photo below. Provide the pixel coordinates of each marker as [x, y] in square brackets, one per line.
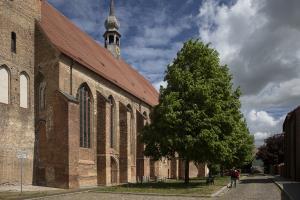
[263, 125]
[282, 94]
[160, 84]
[155, 44]
[259, 40]
[262, 117]
[260, 137]
[152, 33]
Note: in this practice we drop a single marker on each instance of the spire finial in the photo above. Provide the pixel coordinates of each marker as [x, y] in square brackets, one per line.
[112, 8]
[112, 35]
[112, 22]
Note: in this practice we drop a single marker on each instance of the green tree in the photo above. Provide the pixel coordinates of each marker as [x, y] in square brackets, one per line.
[242, 147]
[198, 114]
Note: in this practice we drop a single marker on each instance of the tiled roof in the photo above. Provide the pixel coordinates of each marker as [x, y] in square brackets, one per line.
[78, 45]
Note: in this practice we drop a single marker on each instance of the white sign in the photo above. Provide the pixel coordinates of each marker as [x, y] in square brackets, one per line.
[21, 154]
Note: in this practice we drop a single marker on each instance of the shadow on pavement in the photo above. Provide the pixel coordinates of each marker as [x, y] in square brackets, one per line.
[256, 180]
[293, 189]
[284, 196]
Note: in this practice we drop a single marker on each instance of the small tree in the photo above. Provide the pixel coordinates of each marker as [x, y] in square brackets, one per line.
[198, 115]
[272, 152]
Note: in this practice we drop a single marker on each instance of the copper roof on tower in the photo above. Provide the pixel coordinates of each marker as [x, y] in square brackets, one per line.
[78, 45]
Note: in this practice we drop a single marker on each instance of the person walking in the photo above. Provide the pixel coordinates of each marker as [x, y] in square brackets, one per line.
[234, 176]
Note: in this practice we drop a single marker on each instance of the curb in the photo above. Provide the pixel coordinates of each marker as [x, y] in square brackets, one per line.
[283, 190]
[94, 190]
[217, 194]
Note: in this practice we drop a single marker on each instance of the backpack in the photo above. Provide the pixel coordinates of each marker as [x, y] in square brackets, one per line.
[235, 174]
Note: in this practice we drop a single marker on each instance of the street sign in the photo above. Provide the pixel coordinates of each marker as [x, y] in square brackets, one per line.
[21, 154]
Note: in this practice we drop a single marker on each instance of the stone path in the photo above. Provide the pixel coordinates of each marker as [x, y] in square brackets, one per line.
[26, 188]
[256, 187]
[106, 196]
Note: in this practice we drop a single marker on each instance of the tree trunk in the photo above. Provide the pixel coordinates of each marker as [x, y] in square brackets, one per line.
[222, 170]
[187, 171]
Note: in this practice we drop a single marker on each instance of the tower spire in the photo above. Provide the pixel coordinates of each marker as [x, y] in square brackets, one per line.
[112, 8]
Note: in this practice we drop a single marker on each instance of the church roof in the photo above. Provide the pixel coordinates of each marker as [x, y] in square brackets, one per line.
[78, 45]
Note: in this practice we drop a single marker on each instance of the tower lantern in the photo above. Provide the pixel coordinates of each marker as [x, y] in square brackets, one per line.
[112, 35]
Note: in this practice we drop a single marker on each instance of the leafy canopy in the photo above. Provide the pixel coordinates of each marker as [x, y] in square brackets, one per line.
[198, 115]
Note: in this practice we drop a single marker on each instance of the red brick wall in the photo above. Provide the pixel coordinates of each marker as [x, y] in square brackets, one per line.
[139, 147]
[73, 123]
[123, 143]
[291, 129]
[101, 140]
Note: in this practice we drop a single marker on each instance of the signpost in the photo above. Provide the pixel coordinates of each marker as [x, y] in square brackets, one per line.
[21, 155]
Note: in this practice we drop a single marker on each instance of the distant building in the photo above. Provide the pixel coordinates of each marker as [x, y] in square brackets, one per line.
[76, 108]
[291, 129]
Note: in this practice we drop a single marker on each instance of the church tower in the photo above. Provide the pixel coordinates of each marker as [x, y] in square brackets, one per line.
[17, 52]
[112, 35]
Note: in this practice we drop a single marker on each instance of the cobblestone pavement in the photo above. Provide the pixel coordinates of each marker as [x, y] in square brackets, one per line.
[106, 196]
[256, 187]
[27, 188]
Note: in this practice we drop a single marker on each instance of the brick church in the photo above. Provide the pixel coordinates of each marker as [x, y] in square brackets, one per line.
[74, 107]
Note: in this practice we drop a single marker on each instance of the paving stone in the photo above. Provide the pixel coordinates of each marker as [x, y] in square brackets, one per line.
[256, 187]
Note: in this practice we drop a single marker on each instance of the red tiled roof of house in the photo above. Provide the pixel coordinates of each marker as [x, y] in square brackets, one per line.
[78, 45]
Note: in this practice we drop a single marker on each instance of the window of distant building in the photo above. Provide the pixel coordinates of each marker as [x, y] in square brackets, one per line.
[85, 116]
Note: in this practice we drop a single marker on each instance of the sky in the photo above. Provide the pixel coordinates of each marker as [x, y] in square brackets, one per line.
[257, 39]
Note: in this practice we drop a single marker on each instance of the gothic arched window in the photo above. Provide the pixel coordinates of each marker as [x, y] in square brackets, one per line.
[4, 85]
[112, 123]
[85, 116]
[24, 85]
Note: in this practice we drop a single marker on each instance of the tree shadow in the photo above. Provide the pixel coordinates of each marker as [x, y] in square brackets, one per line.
[256, 180]
[167, 185]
